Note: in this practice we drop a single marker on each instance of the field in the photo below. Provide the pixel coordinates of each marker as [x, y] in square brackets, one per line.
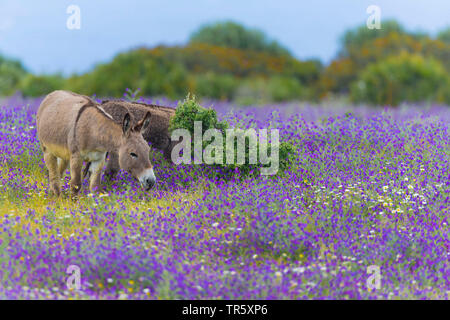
[369, 187]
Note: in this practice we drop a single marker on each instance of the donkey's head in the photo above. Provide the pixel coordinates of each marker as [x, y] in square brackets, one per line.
[134, 151]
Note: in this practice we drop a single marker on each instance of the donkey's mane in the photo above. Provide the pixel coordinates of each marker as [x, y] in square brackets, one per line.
[92, 104]
[106, 114]
[162, 108]
[102, 111]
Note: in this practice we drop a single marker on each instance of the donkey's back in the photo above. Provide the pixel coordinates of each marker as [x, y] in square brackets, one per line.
[55, 120]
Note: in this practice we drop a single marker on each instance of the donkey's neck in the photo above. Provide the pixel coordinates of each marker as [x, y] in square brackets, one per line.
[104, 133]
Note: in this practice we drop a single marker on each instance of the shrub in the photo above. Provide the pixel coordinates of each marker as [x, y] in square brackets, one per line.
[403, 78]
[189, 111]
[287, 152]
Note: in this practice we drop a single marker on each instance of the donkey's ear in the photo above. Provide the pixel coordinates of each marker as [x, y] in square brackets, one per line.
[144, 123]
[126, 124]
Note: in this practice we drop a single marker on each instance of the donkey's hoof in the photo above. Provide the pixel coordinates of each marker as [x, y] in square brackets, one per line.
[74, 189]
[55, 190]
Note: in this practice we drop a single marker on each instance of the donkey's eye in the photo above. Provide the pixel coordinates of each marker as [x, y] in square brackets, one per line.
[133, 155]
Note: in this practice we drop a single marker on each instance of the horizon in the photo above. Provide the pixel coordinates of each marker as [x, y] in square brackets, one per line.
[37, 35]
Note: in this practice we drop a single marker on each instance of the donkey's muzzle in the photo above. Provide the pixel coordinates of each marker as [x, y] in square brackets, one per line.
[150, 182]
[148, 179]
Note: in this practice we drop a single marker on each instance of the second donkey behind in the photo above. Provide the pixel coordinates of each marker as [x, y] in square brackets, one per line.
[157, 133]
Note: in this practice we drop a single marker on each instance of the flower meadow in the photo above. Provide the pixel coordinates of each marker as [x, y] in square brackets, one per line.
[368, 187]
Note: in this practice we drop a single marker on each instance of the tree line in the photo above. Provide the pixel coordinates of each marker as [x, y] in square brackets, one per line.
[231, 62]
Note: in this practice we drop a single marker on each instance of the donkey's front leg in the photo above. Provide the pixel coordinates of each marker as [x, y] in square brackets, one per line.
[76, 164]
[96, 169]
[62, 166]
[53, 174]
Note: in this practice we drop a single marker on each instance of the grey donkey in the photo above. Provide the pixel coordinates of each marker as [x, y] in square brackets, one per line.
[72, 128]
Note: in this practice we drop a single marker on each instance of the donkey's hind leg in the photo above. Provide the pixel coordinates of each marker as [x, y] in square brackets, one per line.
[96, 169]
[53, 174]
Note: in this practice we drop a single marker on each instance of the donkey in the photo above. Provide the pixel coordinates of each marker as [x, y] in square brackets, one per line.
[73, 128]
[157, 133]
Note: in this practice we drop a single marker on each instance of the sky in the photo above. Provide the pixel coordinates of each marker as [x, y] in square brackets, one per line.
[36, 32]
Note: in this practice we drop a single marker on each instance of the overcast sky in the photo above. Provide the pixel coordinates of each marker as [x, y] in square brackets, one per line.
[36, 33]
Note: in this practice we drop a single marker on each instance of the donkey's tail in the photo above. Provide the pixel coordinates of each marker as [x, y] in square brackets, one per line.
[86, 170]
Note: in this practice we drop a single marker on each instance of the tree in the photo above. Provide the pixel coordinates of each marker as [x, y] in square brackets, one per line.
[139, 68]
[234, 35]
[359, 36]
[11, 72]
[362, 48]
[403, 78]
[39, 85]
[444, 35]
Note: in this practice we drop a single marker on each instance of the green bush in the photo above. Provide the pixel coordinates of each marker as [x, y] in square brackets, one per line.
[189, 111]
[35, 86]
[287, 152]
[402, 78]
